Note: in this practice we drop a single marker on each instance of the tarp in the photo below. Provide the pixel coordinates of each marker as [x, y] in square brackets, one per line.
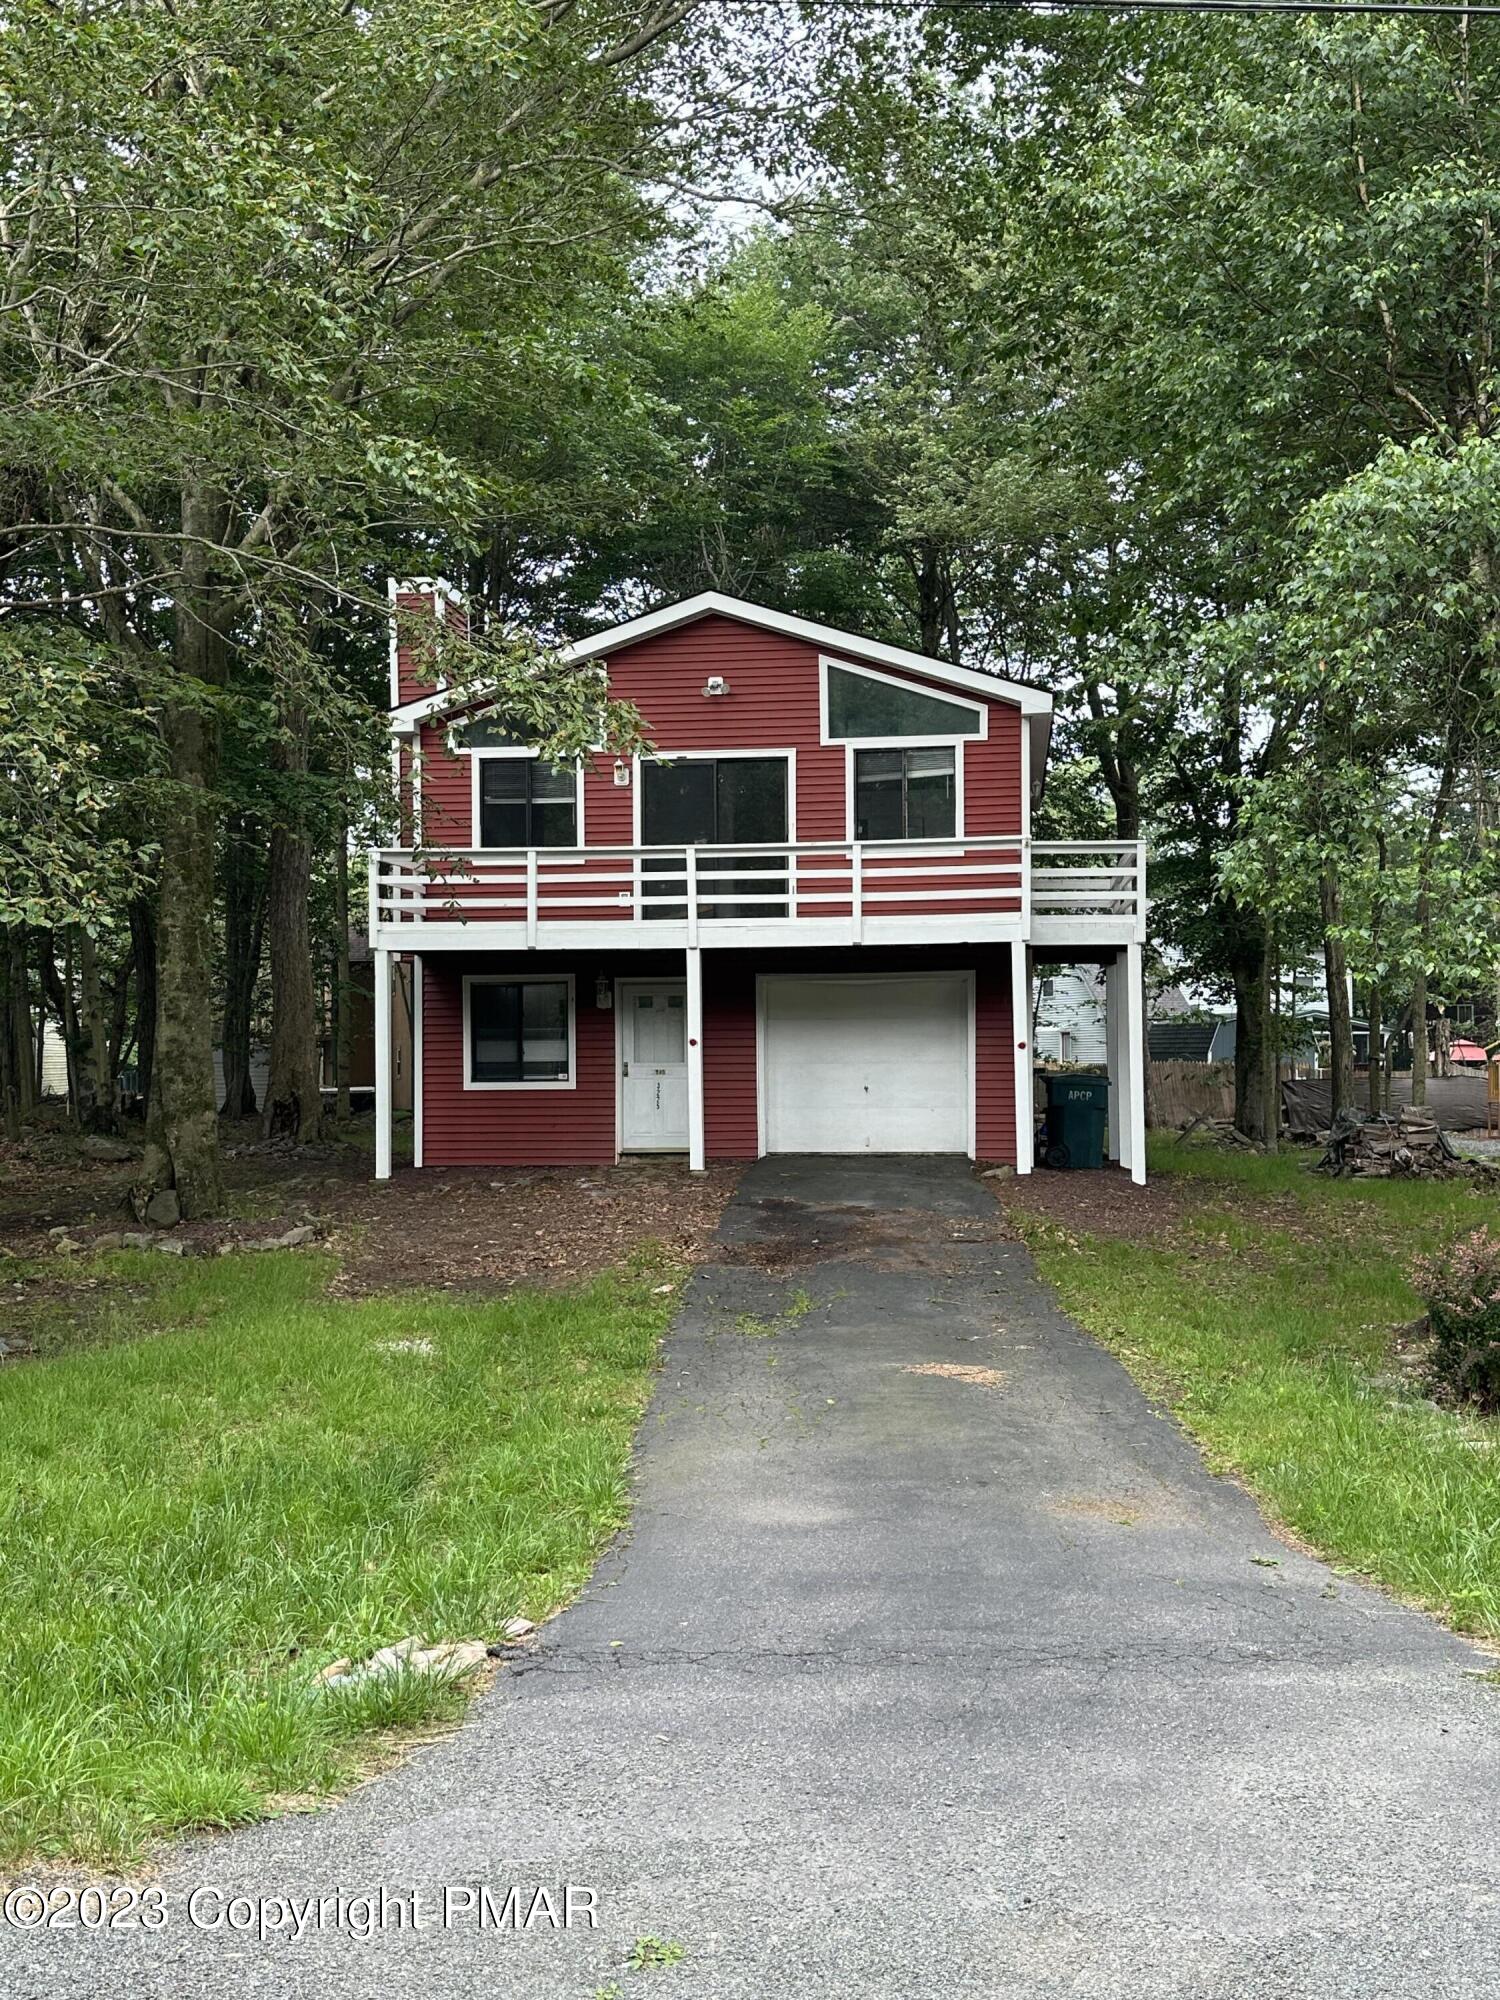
[1456, 1102]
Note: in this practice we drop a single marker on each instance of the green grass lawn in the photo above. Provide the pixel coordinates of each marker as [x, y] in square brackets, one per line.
[236, 1479]
[1271, 1321]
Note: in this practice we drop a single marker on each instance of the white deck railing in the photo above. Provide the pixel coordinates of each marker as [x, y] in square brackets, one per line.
[980, 884]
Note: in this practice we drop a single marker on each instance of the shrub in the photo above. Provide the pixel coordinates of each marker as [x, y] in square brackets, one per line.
[1462, 1288]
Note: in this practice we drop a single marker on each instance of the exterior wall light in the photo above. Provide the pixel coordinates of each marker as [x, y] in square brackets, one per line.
[715, 684]
[604, 994]
[622, 772]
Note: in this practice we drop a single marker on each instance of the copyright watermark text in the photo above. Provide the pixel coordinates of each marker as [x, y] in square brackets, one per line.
[362, 1914]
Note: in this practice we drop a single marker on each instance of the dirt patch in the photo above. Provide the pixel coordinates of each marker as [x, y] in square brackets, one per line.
[791, 1235]
[1132, 1510]
[957, 1371]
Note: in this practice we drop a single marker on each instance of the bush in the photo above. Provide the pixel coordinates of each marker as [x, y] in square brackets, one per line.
[1462, 1288]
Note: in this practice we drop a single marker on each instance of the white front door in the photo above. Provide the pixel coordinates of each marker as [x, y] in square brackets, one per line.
[653, 1057]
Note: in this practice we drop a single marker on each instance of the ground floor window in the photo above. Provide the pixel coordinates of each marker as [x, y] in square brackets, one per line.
[519, 1031]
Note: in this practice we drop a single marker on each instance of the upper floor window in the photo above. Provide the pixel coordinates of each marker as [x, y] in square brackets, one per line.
[905, 794]
[865, 706]
[523, 802]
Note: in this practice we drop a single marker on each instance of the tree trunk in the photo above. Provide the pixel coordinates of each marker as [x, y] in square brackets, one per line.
[15, 1055]
[22, 1024]
[294, 1100]
[95, 1082]
[183, 1143]
[1376, 1065]
[1270, 1067]
[1336, 976]
[244, 928]
[143, 942]
[1250, 1049]
[343, 1038]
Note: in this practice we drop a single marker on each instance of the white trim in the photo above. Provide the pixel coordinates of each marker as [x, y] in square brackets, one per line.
[979, 708]
[1025, 1055]
[479, 756]
[417, 984]
[1025, 782]
[965, 973]
[568, 979]
[1132, 1024]
[715, 757]
[695, 1106]
[710, 603]
[915, 844]
[382, 1065]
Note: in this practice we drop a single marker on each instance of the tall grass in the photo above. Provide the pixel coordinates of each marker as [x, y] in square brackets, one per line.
[1279, 1346]
[192, 1520]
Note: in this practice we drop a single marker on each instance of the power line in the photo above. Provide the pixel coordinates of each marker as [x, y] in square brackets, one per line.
[1442, 9]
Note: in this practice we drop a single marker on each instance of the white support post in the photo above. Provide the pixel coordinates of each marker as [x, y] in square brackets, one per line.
[696, 1153]
[690, 892]
[416, 1060]
[382, 1065]
[857, 892]
[1113, 1051]
[531, 898]
[1020, 1020]
[1132, 1029]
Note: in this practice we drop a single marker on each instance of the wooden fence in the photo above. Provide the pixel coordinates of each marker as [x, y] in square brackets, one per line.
[1181, 1091]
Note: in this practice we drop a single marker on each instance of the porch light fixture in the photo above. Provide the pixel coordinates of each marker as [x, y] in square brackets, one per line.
[715, 684]
[622, 772]
[604, 994]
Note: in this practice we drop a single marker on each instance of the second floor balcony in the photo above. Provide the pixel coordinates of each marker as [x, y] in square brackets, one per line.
[996, 887]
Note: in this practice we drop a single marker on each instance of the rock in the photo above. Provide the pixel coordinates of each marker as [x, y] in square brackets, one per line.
[110, 1240]
[163, 1210]
[295, 1238]
[59, 1229]
[65, 1246]
[658, 1290]
[518, 1628]
[456, 1658]
[99, 1146]
[174, 1246]
[1000, 1173]
[137, 1239]
[336, 1670]
[391, 1659]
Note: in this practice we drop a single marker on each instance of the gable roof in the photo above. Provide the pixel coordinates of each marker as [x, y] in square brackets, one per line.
[1032, 702]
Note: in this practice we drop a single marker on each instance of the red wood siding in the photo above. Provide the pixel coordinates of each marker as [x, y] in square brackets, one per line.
[577, 1127]
[994, 1060]
[772, 704]
[502, 1128]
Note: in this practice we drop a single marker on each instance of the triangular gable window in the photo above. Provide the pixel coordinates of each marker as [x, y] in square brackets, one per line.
[862, 706]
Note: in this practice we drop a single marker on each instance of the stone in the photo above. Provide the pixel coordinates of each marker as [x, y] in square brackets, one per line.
[66, 1247]
[336, 1670]
[137, 1239]
[391, 1659]
[99, 1146]
[110, 1240]
[295, 1238]
[518, 1628]
[1003, 1172]
[163, 1210]
[58, 1229]
[456, 1658]
[174, 1246]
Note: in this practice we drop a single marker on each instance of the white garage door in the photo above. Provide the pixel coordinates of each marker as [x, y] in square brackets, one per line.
[876, 1065]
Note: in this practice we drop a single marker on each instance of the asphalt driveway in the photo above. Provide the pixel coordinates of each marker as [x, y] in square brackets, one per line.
[936, 1663]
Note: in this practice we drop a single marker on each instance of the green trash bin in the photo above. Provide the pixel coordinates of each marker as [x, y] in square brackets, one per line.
[1077, 1112]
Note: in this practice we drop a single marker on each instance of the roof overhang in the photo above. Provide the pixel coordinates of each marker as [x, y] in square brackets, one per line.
[1034, 703]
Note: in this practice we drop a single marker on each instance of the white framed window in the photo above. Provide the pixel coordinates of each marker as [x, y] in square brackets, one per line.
[520, 1031]
[516, 798]
[858, 705]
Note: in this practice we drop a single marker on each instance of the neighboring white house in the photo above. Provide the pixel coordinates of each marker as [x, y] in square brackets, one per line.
[1068, 1015]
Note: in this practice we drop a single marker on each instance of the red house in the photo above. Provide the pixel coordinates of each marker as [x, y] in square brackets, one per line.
[805, 922]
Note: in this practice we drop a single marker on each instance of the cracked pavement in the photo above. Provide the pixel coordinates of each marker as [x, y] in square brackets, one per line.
[907, 1685]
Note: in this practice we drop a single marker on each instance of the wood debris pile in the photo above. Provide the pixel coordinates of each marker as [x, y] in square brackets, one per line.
[1412, 1144]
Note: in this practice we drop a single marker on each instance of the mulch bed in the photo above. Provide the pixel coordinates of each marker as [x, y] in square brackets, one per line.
[1101, 1202]
[481, 1228]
